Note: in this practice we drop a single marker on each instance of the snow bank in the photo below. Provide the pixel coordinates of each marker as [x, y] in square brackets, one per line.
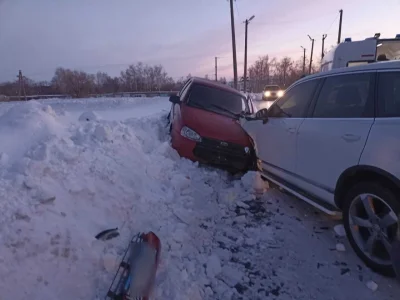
[62, 182]
[24, 129]
[106, 108]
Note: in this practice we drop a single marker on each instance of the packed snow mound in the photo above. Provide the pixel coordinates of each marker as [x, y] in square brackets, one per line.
[89, 116]
[24, 130]
[28, 114]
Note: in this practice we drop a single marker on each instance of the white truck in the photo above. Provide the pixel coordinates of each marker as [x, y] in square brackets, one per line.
[356, 53]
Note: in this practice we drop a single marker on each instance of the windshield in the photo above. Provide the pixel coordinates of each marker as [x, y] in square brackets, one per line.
[388, 50]
[271, 88]
[217, 100]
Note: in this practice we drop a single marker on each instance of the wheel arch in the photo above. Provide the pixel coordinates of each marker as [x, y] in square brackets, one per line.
[363, 173]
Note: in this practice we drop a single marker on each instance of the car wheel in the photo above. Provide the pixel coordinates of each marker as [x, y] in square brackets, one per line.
[370, 216]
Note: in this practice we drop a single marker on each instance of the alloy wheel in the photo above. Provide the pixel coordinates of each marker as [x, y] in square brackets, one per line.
[373, 225]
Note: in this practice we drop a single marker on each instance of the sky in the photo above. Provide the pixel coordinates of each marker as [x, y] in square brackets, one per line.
[184, 36]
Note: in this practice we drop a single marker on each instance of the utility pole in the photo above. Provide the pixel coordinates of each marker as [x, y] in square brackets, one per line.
[233, 46]
[323, 44]
[304, 60]
[340, 26]
[312, 50]
[21, 85]
[216, 69]
[245, 54]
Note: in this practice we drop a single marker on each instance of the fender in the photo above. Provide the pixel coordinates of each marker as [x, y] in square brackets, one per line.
[362, 169]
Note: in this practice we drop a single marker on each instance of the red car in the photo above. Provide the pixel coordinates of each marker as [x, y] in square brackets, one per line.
[204, 125]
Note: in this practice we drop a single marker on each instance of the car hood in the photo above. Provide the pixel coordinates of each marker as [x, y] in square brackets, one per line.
[215, 126]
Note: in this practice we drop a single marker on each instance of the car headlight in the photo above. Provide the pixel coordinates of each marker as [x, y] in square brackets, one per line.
[190, 134]
[280, 93]
[267, 93]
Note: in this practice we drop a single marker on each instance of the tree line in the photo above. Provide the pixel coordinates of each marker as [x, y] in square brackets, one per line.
[136, 78]
[283, 72]
[143, 78]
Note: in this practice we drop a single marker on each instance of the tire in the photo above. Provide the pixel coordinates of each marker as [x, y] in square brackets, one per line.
[385, 194]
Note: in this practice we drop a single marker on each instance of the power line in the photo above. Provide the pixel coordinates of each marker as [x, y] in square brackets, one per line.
[237, 10]
[337, 16]
[290, 21]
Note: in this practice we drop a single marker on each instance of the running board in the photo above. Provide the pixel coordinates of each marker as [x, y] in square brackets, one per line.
[326, 208]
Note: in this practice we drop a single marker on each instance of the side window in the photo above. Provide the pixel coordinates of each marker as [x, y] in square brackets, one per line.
[357, 63]
[345, 96]
[184, 91]
[295, 102]
[389, 95]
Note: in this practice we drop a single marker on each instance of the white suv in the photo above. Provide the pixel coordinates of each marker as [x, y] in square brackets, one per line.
[333, 140]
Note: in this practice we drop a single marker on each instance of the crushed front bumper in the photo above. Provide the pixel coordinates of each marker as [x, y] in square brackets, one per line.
[229, 155]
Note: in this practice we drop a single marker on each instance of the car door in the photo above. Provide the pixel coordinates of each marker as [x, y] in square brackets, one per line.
[275, 141]
[331, 139]
[383, 146]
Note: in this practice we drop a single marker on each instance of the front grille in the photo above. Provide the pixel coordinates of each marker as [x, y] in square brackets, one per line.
[222, 153]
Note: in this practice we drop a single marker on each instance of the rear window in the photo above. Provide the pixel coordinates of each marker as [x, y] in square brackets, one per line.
[272, 88]
[217, 100]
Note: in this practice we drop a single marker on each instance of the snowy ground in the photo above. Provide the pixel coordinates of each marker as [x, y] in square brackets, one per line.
[63, 180]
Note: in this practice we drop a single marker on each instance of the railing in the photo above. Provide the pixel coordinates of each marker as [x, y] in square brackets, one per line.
[109, 95]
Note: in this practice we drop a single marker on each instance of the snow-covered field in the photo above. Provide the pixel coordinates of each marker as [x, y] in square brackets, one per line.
[65, 176]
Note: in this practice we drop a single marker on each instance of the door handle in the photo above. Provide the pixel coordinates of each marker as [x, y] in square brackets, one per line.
[348, 137]
[291, 130]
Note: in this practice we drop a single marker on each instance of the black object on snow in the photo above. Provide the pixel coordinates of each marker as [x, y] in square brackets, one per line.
[107, 234]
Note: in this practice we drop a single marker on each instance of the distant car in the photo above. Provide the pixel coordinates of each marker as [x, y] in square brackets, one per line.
[272, 92]
[204, 125]
[333, 141]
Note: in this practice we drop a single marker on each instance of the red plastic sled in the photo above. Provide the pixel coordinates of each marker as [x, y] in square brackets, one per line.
[137, 270]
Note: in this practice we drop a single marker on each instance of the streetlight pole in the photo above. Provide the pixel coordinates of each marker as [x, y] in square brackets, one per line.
[312, 50]
[304, 60]
[323, 45]
[216, 68]
[340, 26]
[245, 54]
[233, 46]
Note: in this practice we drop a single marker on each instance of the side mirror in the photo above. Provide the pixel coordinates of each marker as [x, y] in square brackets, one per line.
[262, 114]
[175, 99]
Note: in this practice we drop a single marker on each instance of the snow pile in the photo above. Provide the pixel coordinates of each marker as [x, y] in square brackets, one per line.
[105, 108]
[64, 182]
[89, 116]
[23, 126]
